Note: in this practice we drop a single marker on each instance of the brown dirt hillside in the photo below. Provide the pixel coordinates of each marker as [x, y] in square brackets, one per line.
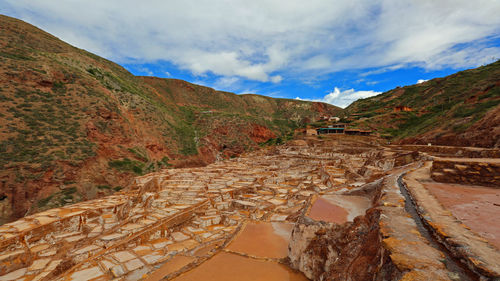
[74, 126]
[462, 109]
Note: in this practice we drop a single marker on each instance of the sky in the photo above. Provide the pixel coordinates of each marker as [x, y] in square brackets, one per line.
[333, 51]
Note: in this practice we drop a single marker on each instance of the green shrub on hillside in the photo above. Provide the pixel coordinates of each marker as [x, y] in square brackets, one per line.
[469, 110]
[127, 165]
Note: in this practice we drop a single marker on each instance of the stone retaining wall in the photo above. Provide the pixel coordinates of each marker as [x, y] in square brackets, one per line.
[454, 151]
[466, 172]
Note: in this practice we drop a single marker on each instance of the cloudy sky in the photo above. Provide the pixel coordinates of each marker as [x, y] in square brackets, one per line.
[335, 51]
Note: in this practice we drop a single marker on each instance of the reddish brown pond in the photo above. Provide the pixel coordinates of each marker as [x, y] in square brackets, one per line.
[263, 239]
[322, 210]
[339, 208]
[230, 267]
[477, 207]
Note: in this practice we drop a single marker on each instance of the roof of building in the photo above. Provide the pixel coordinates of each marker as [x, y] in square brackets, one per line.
[330, 129]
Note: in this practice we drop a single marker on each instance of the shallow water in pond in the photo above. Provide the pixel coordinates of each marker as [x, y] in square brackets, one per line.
[263, 239]
[339, 208]
[322, 210]
[229, 267]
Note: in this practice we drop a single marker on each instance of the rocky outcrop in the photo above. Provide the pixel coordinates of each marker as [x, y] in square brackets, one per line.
[382, 244]
[260, 134]
[327, 251]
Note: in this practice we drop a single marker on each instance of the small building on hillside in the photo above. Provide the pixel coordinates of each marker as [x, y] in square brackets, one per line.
[338, 125]
[352, 132]
[341, 128]
[400, 108]
[357, 132]
[321, 131]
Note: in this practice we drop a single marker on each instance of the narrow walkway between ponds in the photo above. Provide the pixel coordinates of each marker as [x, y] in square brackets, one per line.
[459, 270]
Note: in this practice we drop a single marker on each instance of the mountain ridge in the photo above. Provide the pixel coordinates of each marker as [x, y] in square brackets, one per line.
[462, 109]
[75, 126]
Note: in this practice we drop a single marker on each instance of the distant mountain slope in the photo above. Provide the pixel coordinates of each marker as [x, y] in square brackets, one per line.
[460, 109]
[75, 126]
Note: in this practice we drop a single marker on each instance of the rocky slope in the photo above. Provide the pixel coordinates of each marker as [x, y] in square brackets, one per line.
[462, 109]
[74, 126]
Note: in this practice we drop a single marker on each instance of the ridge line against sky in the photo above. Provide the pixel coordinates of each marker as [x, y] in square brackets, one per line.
[331, 51]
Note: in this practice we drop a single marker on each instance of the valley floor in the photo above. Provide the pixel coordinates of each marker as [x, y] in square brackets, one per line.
[331, 209]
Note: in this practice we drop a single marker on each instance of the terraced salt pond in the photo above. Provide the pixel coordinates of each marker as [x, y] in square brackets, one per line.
[254, 254]
[258, 249]
[229, 267]
[233, 220]
[338, 208]
[263, 239]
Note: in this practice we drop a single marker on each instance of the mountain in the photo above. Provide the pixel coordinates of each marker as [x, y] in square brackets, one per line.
[75, 126]
[462, 109]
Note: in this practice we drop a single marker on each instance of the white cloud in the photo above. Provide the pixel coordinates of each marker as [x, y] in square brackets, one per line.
[382, 70]
[276, 79]
[344, 98]
[317, 62]
[256, 39]
[421, 81]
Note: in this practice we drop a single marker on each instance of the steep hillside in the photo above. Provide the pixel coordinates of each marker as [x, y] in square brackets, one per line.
[460, 109]
[75, 126]
[254, 118]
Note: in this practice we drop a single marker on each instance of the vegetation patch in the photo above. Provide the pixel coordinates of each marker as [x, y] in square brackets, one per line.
[15, 56]
[43, 202]
[468, 110]
[127, 165]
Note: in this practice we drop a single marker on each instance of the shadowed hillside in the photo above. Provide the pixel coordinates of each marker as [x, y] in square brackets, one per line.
[461, 109]
[74, 126]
